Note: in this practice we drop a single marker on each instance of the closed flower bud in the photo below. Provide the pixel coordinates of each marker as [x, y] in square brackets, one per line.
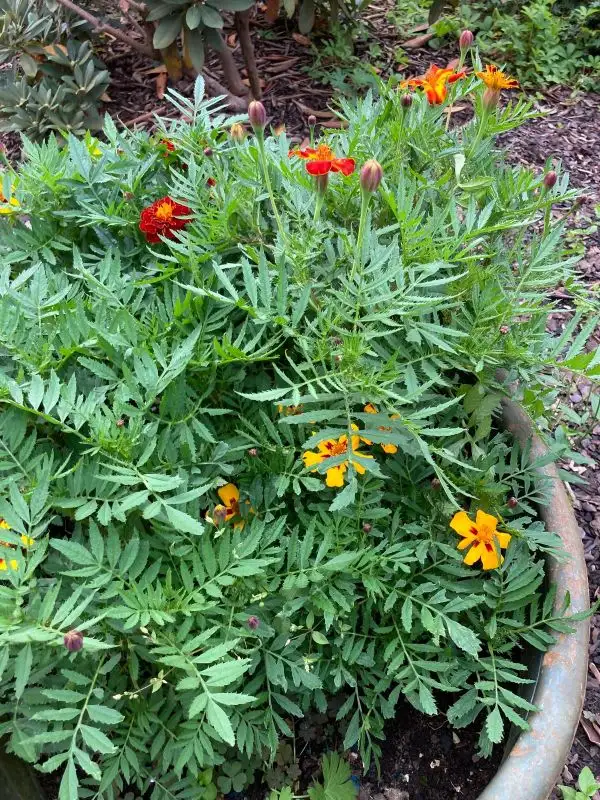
[512, 502]
[406, 100]
[504, 329]
[253, 623]
[490, 99]
[120, 422]
[219, 515]
[128, 195]
[257, 114]
[367, 527]
[73, 641]
[312, 121]
[466, 40]
[435, 483]
[237, 132]
[371, 175]
[208, 152]
[550, 179]
[211, 182]
[253, 452]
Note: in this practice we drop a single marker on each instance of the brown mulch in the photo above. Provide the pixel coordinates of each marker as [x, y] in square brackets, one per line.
[416, 758]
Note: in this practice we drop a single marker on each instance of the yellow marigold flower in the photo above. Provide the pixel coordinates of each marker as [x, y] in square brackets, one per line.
[12, 564]
[481, 537]
[27, 540]
[8, 205]
[229, 508]
[495, 79]
[91, 144]
[387, 448]
[4, 524]
[290, 411]
[329, 448]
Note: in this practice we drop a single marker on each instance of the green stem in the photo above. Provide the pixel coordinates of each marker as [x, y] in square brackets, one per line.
[482, 125]
[263, 161]
[318, 205]
[364, 207]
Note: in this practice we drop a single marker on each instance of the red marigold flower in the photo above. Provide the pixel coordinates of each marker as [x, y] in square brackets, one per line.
[321, 160]
[168, 145]
[211, 182]
[162, 218]
[434, 83]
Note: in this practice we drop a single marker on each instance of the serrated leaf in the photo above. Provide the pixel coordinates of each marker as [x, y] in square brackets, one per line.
[494, 725]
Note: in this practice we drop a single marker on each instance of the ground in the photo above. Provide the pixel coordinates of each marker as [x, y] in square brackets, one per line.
[426, 760]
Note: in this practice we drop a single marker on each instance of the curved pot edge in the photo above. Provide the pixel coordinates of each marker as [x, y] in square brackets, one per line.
[533, 765]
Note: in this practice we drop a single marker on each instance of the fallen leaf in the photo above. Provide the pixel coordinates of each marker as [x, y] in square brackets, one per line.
[279, 129]
[52, 49]
[423, 26]
[454, 63]
[232, 39]
[595, 671]
[105, 98]
[275, 69]
[592, 731]
[151, 70]
[334, 123]
[417, 41]
[454, 109]
[161, 84]
[272, 10]
[300, 39]
[315, 112]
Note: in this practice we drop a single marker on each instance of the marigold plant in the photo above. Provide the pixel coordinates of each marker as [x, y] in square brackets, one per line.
[243, 425]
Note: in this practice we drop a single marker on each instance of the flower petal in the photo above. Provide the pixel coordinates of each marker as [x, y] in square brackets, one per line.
[229, 494]
[483, 520]
[311, 459]
[318, 167]
[463, 525]
[474, 554]
[326, 446]
[465, 543]
[370, 409]
[344, 165]
[389, 448]
[335, 476]
[503, 539]
[490, 556]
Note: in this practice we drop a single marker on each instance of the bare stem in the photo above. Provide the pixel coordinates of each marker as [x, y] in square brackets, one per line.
[102, 27]
[242, 23]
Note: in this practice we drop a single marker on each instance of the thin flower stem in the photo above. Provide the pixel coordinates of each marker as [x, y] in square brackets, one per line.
[263, 161]
[318, 205]
[364, 207]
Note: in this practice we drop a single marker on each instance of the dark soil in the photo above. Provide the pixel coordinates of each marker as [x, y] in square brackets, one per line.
[423, 759]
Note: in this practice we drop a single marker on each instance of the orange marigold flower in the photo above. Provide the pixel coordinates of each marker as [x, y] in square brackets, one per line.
[168, 145]
[162, 218]
[229, 508]
[329, 448]
[387, 448]
[322, 160]
[434, 83]
[481, 537]
[495, 79]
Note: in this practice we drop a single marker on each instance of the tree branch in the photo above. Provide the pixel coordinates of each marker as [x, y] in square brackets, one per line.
[242, 23]
[101, 27]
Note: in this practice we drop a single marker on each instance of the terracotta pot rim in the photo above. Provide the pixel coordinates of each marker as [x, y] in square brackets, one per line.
[532, 766]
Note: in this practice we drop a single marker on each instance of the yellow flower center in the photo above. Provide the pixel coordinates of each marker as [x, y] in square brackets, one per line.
[164, 211]
[484, 535]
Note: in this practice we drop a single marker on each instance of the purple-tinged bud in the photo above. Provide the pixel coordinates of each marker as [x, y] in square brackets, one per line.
[73, 641]
[435, 483]
[512, 502]
[253, 623]
[466, 40]
[491, 98]
[312, 120]
[406, 100]
[120, 423]
[550, 179]
[208, 151]
[367, 527]
[253, 452]
[371, 175]
[504, 329]
[257, 114]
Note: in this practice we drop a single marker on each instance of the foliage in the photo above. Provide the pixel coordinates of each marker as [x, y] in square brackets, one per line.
[56, 82]
[587, 786]
[197, 23]
[140, 381]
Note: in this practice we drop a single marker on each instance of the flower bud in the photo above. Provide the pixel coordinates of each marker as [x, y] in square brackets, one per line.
[208, 152]
[367, 527]
[237, 132]
[435, 483]
[253, 623]
[490, 99]
[219, 515]
[257, 114]
[128, 196]
[406, 100]
[465, 40]
[73, 641]
[371, 175]
[253, 452]
[211, 182]
[312, 121]
[550, 179]
[504, 329]
[512, 502]
[120, 423]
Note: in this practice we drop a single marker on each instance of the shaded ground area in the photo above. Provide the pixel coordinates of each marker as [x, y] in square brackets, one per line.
[423, 759]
